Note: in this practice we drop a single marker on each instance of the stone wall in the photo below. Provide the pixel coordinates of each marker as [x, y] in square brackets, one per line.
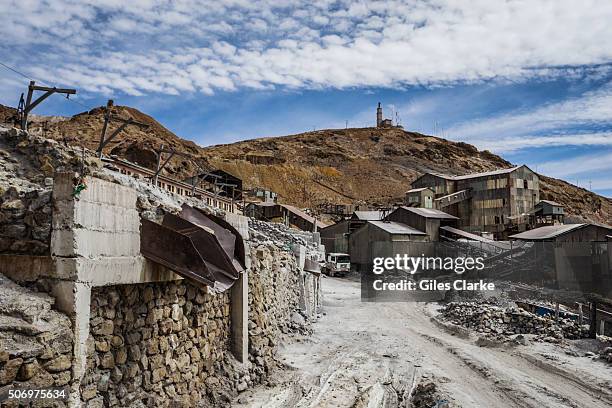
[158, 343]
[274, 294]
[36, 342]
[168, 344]
[27, 166]
[25, 221]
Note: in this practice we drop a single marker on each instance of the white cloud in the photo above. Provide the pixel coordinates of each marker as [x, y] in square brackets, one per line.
[591, 108]
[578, 165]
[511, 144]
[272, 43]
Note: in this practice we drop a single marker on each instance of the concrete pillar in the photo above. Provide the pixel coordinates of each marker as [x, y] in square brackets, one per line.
[74, 299]
[240, 318]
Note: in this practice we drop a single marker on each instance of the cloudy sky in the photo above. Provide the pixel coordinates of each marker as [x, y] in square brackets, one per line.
[530, 80]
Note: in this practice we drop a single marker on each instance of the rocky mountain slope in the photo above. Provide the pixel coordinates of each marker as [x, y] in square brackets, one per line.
[339, 166]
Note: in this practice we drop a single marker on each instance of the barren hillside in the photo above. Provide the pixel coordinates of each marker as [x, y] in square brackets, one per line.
[343, 165]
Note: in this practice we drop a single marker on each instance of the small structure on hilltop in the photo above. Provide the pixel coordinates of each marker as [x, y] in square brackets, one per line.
[384, 123]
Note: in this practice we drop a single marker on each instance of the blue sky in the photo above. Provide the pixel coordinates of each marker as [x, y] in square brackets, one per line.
[529, 80]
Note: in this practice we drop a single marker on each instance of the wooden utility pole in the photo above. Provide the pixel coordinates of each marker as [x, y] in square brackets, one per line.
[29, 105]
[108, 117]
[593, 321]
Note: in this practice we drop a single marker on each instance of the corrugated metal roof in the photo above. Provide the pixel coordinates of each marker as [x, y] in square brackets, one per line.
[474, 175]
[368, 215]
[303, 215]
[486, 173]
[430, 213]
[393, 227]
[473, 237]
[550, 202]
[547, 232]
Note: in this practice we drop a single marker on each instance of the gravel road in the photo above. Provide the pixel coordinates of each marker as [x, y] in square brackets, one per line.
[373, 354]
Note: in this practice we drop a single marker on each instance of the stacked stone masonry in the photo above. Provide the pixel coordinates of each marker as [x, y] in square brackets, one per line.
[156, 344]
[36, 343]
[273, 306]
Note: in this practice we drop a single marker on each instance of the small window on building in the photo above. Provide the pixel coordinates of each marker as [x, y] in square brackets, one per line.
[525, 184]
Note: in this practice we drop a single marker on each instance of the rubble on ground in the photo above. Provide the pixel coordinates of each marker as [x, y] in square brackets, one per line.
[509, 321]
[279, 235]
[425, 395]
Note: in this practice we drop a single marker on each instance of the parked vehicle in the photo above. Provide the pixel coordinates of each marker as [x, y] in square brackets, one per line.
[337, 264]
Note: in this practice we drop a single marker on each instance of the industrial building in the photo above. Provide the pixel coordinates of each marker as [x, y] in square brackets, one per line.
[546, 212]
[419, 197]
[169, 184]
[335, 237]
[427, 220]
[380, 238]
[359, 218]
[566, 233]
[492, 202]
[224, 183]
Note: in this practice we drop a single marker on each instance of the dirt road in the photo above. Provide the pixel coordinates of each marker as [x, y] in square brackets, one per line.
[372, 354]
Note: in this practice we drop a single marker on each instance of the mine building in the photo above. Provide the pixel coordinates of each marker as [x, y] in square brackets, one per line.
[427, 220]
[419, 197]
[169, 184]
[380, 238]
[566, 233]
[335, 237]
[359, 218]
[261, 194]
[224, 183]
[489, 202]
[546, 212]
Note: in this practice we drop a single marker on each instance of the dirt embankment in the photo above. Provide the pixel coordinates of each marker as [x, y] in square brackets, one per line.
[371, 165]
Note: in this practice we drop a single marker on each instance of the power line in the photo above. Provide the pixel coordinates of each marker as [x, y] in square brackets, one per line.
[42, 82]
[17, 72]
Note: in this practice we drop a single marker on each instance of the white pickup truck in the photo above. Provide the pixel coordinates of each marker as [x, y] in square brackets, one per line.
[337, 264]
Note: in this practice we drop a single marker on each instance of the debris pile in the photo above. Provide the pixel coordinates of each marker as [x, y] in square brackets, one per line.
[425, 395]
[279, 235]
[606, 354]
[494, 320]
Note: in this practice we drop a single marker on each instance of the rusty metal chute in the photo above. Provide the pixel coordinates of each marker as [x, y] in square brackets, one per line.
[195, 245]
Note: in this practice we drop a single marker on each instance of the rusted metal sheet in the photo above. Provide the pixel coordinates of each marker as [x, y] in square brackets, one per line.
[229, 238]
[312, 265]
[196, 246]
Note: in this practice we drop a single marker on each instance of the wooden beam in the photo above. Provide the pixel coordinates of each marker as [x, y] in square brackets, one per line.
[108, 118]
[29, 105]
